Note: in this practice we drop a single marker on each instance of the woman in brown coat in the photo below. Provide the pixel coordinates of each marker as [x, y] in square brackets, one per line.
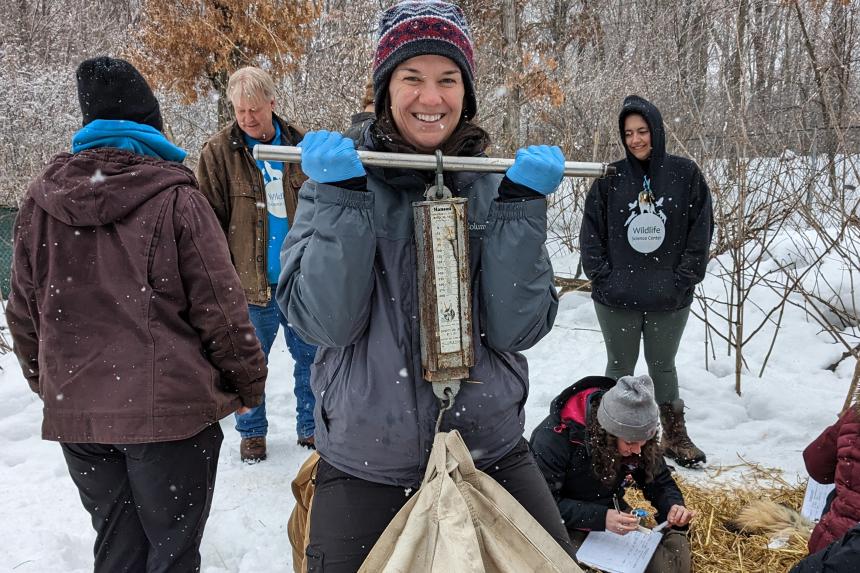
[129, 322]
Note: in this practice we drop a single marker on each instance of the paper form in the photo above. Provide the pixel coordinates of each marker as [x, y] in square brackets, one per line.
[814, 499]
[613, 553]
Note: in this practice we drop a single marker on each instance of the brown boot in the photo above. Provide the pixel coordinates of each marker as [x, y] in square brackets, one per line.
[307, 443]
[253, 450]
[676, 443]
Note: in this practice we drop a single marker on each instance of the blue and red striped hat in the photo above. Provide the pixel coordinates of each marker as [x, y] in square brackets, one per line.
[420, 27]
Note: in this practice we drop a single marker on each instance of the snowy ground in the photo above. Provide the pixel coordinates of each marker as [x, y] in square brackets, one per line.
[45, 529]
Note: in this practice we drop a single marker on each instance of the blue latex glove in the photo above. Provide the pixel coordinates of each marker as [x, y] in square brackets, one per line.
[328, 156]
[538, 167]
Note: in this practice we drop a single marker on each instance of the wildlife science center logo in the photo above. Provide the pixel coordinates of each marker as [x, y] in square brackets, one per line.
[646, 226]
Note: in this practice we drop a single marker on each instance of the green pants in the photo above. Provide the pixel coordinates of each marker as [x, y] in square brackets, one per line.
[673, 555]
[623, 329]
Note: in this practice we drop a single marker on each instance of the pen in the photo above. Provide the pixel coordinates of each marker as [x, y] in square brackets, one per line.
[615, 503]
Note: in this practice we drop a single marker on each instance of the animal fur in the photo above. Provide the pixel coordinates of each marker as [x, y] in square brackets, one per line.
[765, 517]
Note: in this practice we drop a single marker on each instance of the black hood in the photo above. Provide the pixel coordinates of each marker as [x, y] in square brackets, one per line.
[602, 382]
[640, 105]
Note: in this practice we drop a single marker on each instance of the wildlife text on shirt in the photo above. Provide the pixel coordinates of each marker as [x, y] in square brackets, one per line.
[646, 227]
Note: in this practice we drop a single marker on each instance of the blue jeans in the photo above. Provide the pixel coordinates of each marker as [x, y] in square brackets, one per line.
[266, 320]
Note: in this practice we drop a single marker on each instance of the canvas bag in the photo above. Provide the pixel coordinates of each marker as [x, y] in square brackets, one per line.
[463, 521]
[299, 524]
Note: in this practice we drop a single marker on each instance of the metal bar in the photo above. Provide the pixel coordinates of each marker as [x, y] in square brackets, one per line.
[290, 154]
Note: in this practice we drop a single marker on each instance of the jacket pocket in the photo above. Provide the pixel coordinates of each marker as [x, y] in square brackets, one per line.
[245, 211]
[328, 363]
[617, 288]
[636, 289]
[314, 560]
[510, 369]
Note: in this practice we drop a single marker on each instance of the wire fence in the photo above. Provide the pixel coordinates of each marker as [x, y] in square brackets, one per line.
[7, 225]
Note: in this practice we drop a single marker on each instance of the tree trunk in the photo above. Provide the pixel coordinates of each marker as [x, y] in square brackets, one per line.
[511, 122]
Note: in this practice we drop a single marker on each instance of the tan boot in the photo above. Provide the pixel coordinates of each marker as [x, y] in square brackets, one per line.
[253, 450]
[676, 443]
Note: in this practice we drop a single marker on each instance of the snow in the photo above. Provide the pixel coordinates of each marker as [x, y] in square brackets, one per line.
[45, 529]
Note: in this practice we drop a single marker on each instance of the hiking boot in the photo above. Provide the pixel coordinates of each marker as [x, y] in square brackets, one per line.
[676, 443]
[307, 443]
[253, 450]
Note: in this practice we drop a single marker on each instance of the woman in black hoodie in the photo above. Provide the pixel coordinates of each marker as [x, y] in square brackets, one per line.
[644, 242]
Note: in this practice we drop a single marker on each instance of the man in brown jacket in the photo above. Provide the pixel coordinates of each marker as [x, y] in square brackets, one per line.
[129, 322]
[255, 202]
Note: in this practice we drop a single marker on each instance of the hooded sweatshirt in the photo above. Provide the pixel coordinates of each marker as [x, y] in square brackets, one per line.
[647, 229]
[127, 315]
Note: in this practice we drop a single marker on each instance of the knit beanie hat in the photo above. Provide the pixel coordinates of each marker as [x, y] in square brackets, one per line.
[417, 28]
[628, 409]
[110, 88]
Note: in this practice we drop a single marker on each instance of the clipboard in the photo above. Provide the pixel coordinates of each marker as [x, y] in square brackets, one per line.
[615, 553]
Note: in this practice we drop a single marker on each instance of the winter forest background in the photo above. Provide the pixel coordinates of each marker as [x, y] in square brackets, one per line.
[763, 94]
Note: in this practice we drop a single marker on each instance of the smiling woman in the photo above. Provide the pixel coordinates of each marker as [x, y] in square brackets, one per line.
[349, 284]
[644, 242]
[426, 95]
[637, 136]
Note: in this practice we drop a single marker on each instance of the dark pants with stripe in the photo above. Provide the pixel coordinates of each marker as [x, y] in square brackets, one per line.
[148, 502]
[661, 332]
[350, 514]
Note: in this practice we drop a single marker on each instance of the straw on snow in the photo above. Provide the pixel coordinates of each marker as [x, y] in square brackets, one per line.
[716, 549]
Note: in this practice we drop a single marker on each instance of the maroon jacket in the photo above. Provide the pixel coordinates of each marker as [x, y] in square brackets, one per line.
[126, 312]
[834, 457]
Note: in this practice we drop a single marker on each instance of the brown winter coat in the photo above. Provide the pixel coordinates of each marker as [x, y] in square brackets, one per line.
[232, 182]
[127, 316]
[299, 524]
[834, 457]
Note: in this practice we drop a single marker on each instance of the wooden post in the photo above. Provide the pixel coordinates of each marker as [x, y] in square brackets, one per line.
[853, 390]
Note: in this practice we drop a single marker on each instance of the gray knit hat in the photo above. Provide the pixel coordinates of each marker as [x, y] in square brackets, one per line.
[628, 410]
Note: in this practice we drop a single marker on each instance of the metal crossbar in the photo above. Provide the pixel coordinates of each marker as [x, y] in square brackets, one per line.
[291, 154]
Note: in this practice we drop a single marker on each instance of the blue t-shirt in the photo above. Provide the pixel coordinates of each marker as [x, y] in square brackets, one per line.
[273, 175]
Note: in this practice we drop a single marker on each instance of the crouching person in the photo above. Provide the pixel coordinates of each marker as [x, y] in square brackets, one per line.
[129, 322]
[599, 439]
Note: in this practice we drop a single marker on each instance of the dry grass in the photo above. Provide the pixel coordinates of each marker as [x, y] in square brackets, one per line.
[718, 550]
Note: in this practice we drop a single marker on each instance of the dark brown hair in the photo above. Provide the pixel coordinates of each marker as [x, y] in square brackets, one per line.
[605, 458]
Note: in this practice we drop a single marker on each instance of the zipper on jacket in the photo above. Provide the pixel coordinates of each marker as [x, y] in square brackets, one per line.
[264, 219]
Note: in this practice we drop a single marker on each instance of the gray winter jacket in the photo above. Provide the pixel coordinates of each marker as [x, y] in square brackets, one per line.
[348, 284]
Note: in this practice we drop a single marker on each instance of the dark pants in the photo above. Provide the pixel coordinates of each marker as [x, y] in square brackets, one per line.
[350, 514]
[673, 555]
[148, 502]
[661, 333]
